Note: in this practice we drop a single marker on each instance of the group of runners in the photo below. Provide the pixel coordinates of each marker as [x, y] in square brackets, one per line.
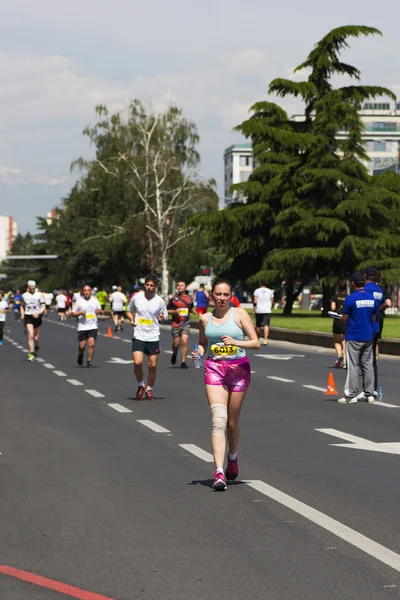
[225, 335]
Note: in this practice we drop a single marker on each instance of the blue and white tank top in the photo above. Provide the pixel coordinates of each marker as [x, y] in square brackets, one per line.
[216, 347]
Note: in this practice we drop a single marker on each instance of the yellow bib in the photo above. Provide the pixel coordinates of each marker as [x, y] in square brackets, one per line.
[183, 312]
[90, 316]
[217, 350]
[145, 321]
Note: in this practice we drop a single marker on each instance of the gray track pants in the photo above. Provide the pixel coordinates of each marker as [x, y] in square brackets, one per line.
[359, 354]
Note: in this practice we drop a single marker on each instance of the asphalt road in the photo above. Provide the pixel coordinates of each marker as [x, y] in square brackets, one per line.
[92, 497]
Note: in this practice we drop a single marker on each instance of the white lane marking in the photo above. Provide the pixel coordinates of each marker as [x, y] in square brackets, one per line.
[314, 387]
[385, 404]
[95, 393]
[26, 351]
[74, 382]
[356, 539]
[153, 426]
[19, 347]
[127, 341]
[48, 366]
[60, 373]
[119, 408]
[253, 372]
[40, 360]
[280, 356]
[168, 352]
[206, 456]
[359, 443]
[280, 379]
[119, 361]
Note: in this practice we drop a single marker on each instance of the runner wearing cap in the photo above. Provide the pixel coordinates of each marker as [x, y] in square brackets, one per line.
[117, 301]
[359, 313]
[32, 309]
[145, 312]
[86, 308]
[180, 306]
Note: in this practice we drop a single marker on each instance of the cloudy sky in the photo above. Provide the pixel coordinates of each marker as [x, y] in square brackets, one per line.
[214, 58]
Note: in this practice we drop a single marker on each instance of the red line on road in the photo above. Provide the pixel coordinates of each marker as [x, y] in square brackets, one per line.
[50, 584]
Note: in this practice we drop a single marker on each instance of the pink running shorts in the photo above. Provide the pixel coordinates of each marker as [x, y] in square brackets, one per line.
[234, 374]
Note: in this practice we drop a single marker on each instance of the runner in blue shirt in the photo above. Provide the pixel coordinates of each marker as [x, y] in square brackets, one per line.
[359, 312]
[370, 276]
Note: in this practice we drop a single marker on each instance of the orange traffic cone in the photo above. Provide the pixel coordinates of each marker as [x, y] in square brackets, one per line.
[109, 332]
[331, 389]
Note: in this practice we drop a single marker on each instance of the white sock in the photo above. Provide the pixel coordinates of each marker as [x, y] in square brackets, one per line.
[141, 383]
[220, 471]
[149, 388]
[232, 456]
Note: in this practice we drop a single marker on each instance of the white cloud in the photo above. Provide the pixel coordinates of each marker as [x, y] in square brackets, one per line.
[12, 176]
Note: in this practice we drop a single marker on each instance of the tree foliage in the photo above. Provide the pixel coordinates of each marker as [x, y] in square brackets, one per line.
[312, 210]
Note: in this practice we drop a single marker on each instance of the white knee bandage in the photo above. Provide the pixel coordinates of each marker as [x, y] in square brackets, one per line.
[219, 417]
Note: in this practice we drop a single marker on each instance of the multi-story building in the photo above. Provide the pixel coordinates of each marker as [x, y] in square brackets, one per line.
[8, 232]
[381, 135]
[238, 167]
[381, 138]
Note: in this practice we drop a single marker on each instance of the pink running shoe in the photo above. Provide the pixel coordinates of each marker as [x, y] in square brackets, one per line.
[219, 483]
[232, 470]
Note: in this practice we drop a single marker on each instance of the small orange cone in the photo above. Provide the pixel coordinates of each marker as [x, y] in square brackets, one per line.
[331, 389]
[109, 332]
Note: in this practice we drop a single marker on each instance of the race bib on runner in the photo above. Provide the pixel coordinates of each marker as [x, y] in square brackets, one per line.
[2, 312]
[183, 312]
[217, 350]
[145, 321]
[90, 316]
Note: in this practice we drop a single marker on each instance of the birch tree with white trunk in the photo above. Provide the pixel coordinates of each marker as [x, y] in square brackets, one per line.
[156, 154]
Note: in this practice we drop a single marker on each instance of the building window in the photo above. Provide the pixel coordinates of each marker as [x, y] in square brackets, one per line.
[377, 106]
[244, 176]
[245, 161]
[379, 147]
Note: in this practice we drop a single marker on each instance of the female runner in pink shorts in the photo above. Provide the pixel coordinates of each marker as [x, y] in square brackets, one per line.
[226, 373]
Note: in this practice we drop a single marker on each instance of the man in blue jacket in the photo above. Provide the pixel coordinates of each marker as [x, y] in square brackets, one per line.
[359, 312]
[371, 286]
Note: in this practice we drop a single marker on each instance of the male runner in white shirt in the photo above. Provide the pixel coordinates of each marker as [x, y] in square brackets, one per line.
[86, 308]
[61, 301]
[117, 300]
[32, 308]
[263, 300]
[146, 312]
[4, 308]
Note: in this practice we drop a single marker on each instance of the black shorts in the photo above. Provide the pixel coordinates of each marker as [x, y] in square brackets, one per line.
[30, 320]
[85, 335]
[263, 319]
[102, 306]
[61, 310]
[339, 327]
[149, 348]
[381, 321]
[118, 313]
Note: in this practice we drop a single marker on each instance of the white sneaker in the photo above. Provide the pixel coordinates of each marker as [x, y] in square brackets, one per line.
[371, 399]
[361, 397]
[345, 400]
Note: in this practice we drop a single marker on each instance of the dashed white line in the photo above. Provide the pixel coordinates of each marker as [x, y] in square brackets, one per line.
[282, 379]
[153, 426]
[168, 352]
[40, 360]
[48, 365]
[315, 388]
[206, 456]
[358, 540]
[26, 351]
[95, 393]
[60, 373]
[119, 408]
[74, 382]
